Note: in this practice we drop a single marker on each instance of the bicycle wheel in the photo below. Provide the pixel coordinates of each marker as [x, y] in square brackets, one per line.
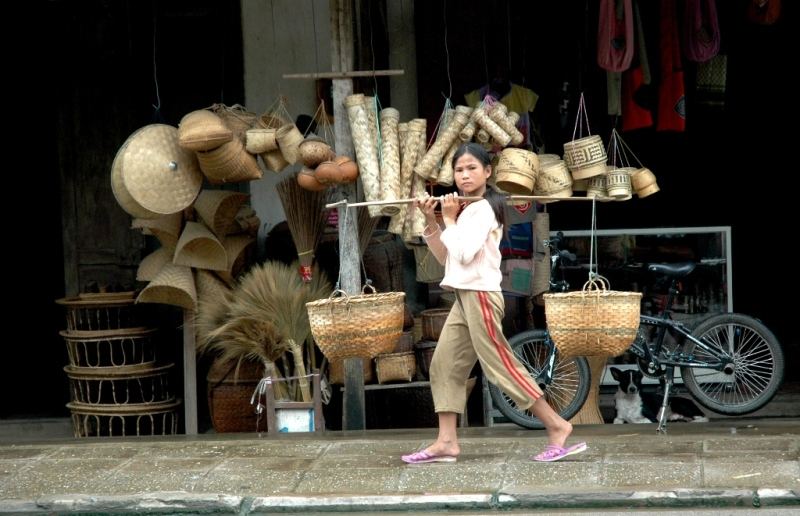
[757, 364]
[566, 393]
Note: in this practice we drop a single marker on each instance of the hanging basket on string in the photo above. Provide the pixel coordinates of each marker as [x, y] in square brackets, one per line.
[594, 321]
[585, 156]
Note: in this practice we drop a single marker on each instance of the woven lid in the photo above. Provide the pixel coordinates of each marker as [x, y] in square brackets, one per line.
[152, 175]
[198, 247]
[174, 285]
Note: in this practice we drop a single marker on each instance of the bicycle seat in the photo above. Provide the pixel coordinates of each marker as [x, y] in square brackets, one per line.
[674, 270]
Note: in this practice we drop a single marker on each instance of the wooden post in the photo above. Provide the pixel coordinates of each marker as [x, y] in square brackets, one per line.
[189, 373]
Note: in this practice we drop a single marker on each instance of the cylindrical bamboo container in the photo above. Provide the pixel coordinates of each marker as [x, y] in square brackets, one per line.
[371, 108]
[289, 139]
[494, 130]
[390, 160]
[408, 152]
[499, 114]
[428, 167]
[446, 170]
[365, 150]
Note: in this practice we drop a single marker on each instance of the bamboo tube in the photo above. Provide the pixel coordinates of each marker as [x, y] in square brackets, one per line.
[428, 166]
[408, 158]
[390, 159]
[494, 130]
[446, 170]
[365, 151]
[499, 114]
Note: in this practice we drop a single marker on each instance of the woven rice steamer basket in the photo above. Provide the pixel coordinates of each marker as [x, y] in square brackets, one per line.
[174, 285]
[229, 163]
[553, 180]
[585, 157]
[618, 184]
[644, 182]
[363, 325]
[218, 209]
[593, 321]
[516, 171]
[152, 175]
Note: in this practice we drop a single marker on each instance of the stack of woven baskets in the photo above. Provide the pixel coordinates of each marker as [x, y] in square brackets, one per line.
[117, 385]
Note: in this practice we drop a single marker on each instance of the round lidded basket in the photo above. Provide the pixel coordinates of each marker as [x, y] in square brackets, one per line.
[618, 184]
[363, 325]
[554, 180]
[516, 171]
[585, 157]
[644, 182]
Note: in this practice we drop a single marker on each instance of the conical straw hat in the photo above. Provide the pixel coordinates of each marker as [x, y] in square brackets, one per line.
[236, 248]
[174, 285]
[218, 209]
[152, 264]
[198, 247]
[166, 229]
[152, 175]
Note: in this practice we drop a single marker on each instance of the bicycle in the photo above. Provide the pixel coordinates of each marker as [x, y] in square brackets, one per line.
[730, 363]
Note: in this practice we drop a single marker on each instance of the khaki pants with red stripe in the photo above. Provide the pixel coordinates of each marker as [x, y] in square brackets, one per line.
[473, 331]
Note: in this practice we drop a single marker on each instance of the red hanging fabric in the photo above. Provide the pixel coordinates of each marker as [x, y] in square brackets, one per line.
[671, 90]
[701, 30]
[615, 35]
[764, 12]
[634, 116]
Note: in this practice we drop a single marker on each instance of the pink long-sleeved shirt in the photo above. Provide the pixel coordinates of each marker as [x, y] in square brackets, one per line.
[469, 249]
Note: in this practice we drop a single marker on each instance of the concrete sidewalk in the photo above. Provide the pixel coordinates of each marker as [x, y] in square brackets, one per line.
[726, 463]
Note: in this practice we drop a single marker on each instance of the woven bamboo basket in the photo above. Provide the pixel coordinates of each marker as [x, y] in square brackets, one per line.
[261, 140]
[96, 312]
[159, 418]
[174, 285]
[593, 321]
[203, 130]
[516, 171]
[166, 229]
[618, 184]
[236, 118]
[553, 180]
[152, 264]
[336, 371]
[104, 350]
[425, 350]
[131, 386]
[229, 163]
[218, 209]
[199, 248]
[392, 367]
[433, 321]
[229, 393]
[363, 325]
[585, 157]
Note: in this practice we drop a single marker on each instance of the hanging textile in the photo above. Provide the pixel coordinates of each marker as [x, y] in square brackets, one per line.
[701, 30]
[671, 90]
[615, 35]
[635, 84]
[763, 12]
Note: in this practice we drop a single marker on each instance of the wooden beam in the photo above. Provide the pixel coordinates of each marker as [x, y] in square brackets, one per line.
[343, 75]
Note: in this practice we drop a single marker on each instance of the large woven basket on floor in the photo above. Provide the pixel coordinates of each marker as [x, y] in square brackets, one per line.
[363, 325]
[594, 321]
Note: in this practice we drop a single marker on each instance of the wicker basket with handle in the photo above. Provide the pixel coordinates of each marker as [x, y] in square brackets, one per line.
[593, 321]
[363, 325]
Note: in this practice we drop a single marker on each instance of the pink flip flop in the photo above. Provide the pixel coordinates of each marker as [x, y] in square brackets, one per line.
[553, 452]
[423, 457]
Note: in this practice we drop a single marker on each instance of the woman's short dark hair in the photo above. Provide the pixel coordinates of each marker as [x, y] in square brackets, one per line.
[496, 200]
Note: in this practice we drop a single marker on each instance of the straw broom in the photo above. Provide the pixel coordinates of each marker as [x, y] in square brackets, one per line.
[273, 292]
[305, 215]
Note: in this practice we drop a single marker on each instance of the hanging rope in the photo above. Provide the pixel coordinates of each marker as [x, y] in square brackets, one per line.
[580, 118]
[447, 51]
[593, 243]
[157, 105]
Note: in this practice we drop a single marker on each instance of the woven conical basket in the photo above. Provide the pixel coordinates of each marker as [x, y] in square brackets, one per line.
[203, 130]
[152, 264]
[166, 229]
[237, 118]
[174, 285]
[218, 209]
[209, 287]
[229, 163]
[236, 247]
[199, 248]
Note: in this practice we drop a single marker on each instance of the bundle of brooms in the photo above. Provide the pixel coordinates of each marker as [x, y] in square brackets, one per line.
[262, 319]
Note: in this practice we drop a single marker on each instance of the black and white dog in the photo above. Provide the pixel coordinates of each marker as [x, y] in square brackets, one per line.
[635, 406]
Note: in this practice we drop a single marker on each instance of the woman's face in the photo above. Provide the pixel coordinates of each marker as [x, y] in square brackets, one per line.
[471, 175]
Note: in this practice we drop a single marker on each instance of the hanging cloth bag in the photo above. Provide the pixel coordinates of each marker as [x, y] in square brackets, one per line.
[615, 35]
[701, 30]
